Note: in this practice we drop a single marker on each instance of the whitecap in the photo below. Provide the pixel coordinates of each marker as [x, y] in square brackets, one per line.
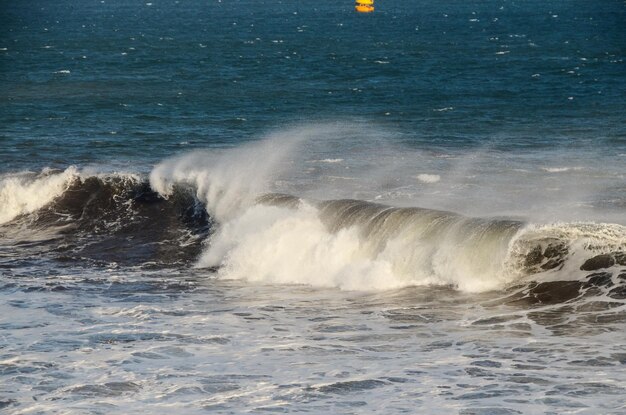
[24, 192]
[559, 169]
[428, 178]
[328, 161]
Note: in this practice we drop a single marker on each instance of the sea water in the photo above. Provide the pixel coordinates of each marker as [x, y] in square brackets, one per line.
[242, 207]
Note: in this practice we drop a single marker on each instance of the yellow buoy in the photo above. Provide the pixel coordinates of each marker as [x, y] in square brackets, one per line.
[364, 6]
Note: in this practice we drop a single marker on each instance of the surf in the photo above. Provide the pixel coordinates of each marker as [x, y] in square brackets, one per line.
[235, 213]
[360, 245]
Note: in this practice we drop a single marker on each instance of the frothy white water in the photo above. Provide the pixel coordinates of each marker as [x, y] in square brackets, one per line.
[428, 178]
[371, 247]
[356, 245]
[577, 241]
[26, 192]
[279, 245]
[329, 161]
[560, 169]
[321, 244]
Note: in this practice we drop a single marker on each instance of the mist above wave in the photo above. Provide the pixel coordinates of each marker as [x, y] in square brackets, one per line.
[324, 230]
[321, 239]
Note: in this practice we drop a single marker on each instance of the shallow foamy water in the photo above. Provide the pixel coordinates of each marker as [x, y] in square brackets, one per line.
[120, 342]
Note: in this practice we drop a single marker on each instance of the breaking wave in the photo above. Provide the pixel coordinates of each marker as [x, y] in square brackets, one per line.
[26, 192]
[211, 212]
[73, 216]
[359, 245]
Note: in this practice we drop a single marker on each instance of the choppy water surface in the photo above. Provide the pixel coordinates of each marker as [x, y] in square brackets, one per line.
[117, 299]
[243, 207]
[114, 342]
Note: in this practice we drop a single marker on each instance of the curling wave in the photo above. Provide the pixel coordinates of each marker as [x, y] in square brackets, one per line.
[26, 192]
[195, 212]
[72, 216]
[360, 245]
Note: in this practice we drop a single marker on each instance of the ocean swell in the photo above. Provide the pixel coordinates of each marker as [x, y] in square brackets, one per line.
[197, 209]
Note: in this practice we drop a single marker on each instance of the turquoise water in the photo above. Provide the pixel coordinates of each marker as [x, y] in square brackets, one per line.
[240, 206]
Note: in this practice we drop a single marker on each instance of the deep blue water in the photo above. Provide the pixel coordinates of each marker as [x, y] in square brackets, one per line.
[125, 82]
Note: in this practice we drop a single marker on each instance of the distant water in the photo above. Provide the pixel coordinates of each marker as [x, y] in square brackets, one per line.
[243, 206]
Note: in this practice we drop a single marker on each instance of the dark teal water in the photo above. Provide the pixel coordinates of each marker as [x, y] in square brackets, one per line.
[125, 82]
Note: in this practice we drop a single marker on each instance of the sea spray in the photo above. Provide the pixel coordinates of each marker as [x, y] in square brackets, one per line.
[355, 244]
[228, 181]
[27, 192]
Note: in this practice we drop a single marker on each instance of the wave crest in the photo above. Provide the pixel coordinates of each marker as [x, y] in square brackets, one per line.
[280, 238]
[358, 245]
[26, 192]
[108, 218]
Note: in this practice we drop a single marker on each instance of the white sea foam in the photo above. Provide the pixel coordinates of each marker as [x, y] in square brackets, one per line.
[428, 178]
[329, 161]
[318, 246]
[26, 192]
[560, 169]
[301, 246]
[555, 169]
[279, 245]
[304, 245]
[582, 240]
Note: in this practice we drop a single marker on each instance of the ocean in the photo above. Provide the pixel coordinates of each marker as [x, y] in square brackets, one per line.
[237, 206]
